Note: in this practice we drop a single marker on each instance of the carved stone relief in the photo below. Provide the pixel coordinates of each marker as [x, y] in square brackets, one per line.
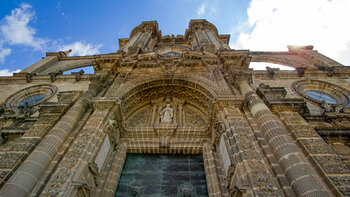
[193, 119]
[262, 181]
[141, 119]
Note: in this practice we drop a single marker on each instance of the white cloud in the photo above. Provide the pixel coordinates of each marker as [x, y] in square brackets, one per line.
[15, 28]
[201, 9]
[276, 24]
[7, 72]
[3, 53]
[81, 48]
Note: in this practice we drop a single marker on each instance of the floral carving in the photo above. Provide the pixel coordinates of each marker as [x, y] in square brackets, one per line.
[59, 178]
[332, 164]
[8, 160]
[245, 139]
[293, 118]
[193, 119]
[316, 146]
[140, 120]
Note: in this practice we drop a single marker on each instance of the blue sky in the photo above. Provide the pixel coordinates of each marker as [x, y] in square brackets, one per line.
[28, 29]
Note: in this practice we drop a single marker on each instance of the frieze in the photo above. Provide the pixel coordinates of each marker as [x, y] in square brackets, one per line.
[332, 164]
[343, 184]
[293, 118]
[102, 104]
[316, 146]
[57, 181]
[249, 151]
[47, 119]
[193, 119]
[37, 130]
[141, 119]
[9, 160]
[24, 147]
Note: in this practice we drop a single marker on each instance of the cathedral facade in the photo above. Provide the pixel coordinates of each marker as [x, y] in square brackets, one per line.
[177, 116]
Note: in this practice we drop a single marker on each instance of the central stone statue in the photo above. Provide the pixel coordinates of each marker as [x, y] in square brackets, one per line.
[167, 114]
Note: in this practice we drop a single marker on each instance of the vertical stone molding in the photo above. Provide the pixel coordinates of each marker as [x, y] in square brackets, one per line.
[328, 163]
[250, 173]
[116, 168]
[82, 164]
[210, 171]
[298, 171]
[27, 175]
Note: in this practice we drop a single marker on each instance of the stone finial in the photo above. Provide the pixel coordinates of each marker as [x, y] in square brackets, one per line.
[67, 52]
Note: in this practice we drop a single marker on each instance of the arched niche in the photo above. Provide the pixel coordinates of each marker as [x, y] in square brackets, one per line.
[144, 105]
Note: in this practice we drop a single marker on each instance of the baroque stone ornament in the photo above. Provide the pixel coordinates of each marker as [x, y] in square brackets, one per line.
[186, 97]
[186, 190]
[167, 114]
[135, 189]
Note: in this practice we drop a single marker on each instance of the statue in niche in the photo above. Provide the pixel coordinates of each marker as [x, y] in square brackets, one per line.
[167, 114]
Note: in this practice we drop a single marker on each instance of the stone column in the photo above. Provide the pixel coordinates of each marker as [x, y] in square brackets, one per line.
[27, 175]
[316, 149]
[300, 174]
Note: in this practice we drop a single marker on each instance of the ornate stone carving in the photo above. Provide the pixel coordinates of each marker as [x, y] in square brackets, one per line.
[166, 114]
[332, 164]
[141, 119]
[9, 160]
[54, 186]
[247, 147]
[135, 189]
[343, 183]
[186, 190]
[293, 118]
[316, 146]
[193, 119]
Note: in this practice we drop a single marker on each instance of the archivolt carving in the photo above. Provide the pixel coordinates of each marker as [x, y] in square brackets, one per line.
[134, 100]
[141, 119]
[192, 118]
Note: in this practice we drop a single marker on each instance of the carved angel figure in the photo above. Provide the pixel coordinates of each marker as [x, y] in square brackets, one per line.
[167, 114]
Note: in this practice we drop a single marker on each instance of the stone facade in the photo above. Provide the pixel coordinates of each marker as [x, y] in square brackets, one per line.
[261, 133]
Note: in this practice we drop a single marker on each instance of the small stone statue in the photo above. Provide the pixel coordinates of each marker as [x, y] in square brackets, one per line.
[186, 190]
[167, 114]
[135, 189]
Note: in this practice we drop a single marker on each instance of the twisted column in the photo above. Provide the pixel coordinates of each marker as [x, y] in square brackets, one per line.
[26, 177]
[300, 174]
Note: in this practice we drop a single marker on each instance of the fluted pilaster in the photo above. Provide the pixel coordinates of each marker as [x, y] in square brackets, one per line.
[301, 176]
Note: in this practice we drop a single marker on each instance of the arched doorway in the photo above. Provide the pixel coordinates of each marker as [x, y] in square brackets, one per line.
[166, 129]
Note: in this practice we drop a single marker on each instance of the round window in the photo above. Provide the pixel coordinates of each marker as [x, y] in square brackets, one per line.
[31, 100]
[31, 96]
[320, 91]
[321, 96]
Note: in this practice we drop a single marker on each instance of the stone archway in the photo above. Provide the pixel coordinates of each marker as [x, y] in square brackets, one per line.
[168, 117]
